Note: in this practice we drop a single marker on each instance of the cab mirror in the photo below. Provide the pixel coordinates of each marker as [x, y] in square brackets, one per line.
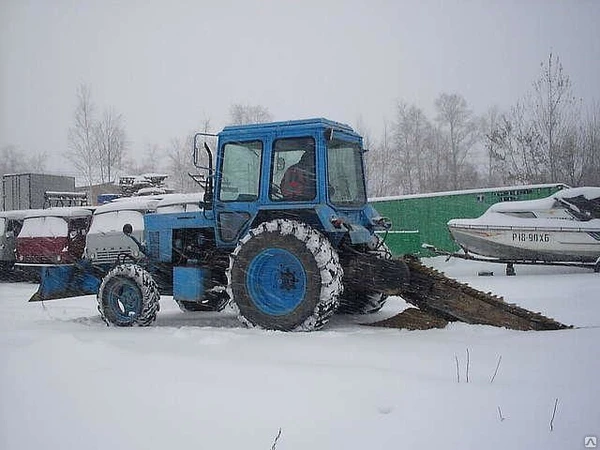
[127, 229]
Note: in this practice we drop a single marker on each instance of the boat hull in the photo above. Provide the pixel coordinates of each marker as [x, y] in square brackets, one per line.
[529, 244]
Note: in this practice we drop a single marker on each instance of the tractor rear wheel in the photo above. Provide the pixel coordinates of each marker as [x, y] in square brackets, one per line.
[366, 302]
[128, 296]
[284, 275]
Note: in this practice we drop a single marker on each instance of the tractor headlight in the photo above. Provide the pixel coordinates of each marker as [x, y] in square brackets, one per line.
[381, 223]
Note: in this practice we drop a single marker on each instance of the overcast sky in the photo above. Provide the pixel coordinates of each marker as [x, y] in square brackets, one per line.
[166, 66]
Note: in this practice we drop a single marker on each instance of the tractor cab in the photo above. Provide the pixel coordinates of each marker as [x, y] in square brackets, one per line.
[310, 169]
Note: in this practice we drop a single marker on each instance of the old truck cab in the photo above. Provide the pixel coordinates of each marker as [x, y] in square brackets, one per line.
[10, 227]
[53, 235]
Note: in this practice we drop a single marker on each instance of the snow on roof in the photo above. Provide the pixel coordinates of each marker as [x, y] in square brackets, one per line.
[546, 203]
[129, 203]
[17, 214]
[469, 191]
[591, 193]
[151, 191]
[61, 211]
[178, 199]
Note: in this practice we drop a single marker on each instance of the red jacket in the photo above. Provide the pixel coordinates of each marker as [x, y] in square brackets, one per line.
[298, 184]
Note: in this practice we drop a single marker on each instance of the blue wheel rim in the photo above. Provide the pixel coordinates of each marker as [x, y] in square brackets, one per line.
[276, 281]
[125, 300]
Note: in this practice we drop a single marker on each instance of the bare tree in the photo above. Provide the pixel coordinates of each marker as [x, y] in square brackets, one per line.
[516, 145]
[411, 133]
[110, 141]
[380, 165]
[590, 144]
[180, 155]
[82, 149]
[554, 114]
[373, 166]
[150, 161]
[96, 146]
[13, 160]
[454, 116]
[243, 114]
[489, 125]
[37, 162]
[435, 176]
[540, 141]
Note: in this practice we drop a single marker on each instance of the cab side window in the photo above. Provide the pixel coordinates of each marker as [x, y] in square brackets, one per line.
[293, 175]
[241, 171]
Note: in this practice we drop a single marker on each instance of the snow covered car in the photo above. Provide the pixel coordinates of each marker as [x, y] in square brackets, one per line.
[53, 235]
[105, 240]
[11, 223]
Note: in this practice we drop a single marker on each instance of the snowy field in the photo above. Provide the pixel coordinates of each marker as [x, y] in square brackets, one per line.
[202, 381]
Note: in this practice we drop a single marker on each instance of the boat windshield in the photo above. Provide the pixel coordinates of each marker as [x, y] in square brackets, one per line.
[582, 208]
[345, 173]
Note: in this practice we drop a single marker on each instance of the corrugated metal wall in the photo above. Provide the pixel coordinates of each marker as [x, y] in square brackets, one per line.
[422, 219]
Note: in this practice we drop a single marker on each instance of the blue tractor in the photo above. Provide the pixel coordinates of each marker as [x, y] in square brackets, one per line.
[284, 233]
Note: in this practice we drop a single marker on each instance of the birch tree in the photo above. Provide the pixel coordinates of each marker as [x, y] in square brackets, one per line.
[96, 146]
[110, 141]
[82, 151]
[454, 117]
[411, 138]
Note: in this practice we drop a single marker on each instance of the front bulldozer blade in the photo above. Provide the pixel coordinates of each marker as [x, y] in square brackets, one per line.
[63, 281]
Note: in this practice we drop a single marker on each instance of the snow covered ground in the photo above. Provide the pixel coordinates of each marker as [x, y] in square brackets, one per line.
[201, 380]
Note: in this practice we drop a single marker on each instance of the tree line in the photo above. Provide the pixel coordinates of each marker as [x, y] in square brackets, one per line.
[99, 150]
[546, 137]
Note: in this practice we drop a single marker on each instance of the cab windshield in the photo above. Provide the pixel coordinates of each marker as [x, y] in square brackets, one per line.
[345, 173]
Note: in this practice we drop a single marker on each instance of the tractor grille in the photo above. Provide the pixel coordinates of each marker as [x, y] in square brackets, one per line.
[110, 256]
[153, 244]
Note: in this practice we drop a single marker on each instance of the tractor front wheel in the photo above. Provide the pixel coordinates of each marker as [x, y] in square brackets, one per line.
[128, 296]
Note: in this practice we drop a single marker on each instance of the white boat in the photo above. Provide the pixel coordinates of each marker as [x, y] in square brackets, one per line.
[562, 228]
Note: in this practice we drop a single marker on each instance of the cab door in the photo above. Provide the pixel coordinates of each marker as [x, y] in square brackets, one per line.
[238, 188]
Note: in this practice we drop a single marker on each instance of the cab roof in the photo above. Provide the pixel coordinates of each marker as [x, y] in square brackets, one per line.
[62, 211]
[289, 126]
